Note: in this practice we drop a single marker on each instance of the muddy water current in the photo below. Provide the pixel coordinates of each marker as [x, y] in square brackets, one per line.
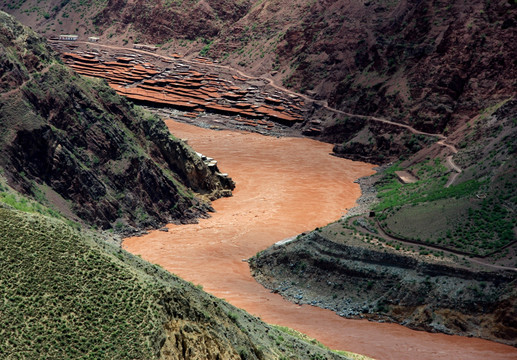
[285, 186]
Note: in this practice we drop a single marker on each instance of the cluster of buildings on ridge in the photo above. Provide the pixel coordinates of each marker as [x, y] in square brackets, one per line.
[96, 39]
[75, 37]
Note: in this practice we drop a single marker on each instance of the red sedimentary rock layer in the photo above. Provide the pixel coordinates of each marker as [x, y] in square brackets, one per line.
[189, 90]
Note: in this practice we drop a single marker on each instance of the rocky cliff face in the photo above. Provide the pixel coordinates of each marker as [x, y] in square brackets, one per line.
[78, 146]
[431, 64]
[359, 280]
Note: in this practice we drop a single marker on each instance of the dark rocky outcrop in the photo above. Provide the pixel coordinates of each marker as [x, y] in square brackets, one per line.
[111, 162]
[372, 141]
[358, 280]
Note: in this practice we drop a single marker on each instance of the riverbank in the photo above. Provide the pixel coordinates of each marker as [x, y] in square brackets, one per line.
[271, 175]
[334, 268]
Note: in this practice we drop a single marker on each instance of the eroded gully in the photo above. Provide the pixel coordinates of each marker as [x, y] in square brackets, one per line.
[284, 186]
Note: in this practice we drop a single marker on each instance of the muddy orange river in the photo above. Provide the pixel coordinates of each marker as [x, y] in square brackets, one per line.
[284, 186]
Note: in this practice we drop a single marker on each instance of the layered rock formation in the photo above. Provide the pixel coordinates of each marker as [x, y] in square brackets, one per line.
[87, 151]
[358, 279]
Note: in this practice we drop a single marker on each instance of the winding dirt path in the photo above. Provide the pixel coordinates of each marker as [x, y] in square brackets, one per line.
[457, 171]
[271, 82]
[450, 162]
[285, 186]
[389, 237]
[18, 88]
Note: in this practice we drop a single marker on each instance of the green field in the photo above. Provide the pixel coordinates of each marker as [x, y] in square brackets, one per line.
[474, 216]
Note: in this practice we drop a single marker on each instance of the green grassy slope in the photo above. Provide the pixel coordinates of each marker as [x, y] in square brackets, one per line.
[64, 298]
[476, 214]
[68, 294]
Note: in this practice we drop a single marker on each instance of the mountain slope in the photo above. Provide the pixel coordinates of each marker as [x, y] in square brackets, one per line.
[432, 64]
[69, 294]
[436, 253]
[76, 143]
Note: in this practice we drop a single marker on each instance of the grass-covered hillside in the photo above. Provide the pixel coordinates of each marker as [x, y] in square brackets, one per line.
[474, 212]
[62, 297]
[68, 294]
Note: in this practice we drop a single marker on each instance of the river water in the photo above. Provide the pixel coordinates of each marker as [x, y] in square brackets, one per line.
[284, 186]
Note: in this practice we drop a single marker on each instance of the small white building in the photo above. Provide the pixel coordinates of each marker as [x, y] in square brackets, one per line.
[93, 39]
[68, 37]
[145, 47]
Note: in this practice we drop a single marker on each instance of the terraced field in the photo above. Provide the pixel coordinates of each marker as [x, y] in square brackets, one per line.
[193, 90]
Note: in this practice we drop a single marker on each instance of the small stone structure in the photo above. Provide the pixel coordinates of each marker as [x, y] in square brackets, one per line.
[406, 177]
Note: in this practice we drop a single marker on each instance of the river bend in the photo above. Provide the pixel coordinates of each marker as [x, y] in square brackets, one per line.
[285, 186]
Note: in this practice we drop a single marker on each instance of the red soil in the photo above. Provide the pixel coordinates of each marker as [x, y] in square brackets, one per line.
[284, 186]
[183, 89]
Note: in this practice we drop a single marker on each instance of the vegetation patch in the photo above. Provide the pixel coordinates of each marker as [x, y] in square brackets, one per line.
[474, 216]
[430, 187]
[66, 293]
[64, 298]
